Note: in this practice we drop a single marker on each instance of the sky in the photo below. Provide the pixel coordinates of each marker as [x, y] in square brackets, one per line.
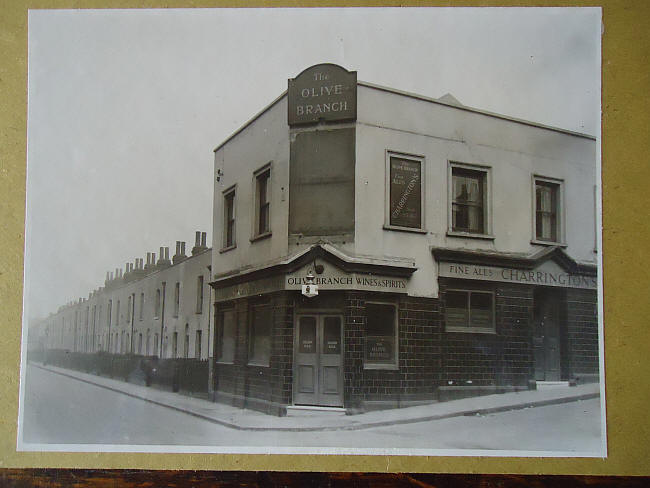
[126, 106]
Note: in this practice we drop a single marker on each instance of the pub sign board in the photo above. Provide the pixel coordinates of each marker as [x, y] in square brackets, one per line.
[323, 93]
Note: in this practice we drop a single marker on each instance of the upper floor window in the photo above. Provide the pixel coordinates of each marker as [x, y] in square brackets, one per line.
[156, 311]
[548, 210]
[177, 298]
[141, 306]
[262, 203]
[229, 219]
[405, 199]
[469, 195]
[199, 294]
[109, 311]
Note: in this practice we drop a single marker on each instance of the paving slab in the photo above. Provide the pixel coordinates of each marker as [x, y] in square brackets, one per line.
[246, 419]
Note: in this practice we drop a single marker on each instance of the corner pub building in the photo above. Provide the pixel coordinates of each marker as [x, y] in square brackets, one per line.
[376, 249]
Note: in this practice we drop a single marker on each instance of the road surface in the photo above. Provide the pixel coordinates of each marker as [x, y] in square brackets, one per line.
[62, 410]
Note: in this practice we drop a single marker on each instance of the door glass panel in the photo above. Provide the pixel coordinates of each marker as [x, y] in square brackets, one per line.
[307, 337]
[332, 335]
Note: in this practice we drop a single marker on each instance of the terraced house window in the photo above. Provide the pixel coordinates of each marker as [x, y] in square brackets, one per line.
[141, 306]
[469, 311]
[177, 298]
[199, 294]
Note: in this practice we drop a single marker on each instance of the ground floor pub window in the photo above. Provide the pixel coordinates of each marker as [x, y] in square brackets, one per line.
[469, 311]
[381, 336]
[226, 336]
[260, 335]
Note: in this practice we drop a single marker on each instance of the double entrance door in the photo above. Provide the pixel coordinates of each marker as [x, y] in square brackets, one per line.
[547, 334]
[318, 360]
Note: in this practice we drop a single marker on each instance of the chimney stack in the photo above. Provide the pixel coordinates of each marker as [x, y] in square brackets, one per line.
[199, 244]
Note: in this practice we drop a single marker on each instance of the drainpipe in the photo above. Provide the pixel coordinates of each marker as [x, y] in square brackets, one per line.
[162, 319]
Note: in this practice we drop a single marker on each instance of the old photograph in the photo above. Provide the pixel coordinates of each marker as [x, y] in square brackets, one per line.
[325, 231]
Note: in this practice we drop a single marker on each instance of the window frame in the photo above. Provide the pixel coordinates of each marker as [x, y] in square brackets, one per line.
[487, 200]
[394, 365]
[220, 330]
[225, 245]
[257, 175]
[200, 285]
[560, 228]
[264, 362]
[389, 154]
[469, 328]
[177, 299]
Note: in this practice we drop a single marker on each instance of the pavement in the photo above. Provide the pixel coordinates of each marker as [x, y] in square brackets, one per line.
[250, 420]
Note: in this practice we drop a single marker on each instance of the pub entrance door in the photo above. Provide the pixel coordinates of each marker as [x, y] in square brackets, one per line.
[547, 333]
[318, 365]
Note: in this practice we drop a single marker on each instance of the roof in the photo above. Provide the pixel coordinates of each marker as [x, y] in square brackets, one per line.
[447, 100]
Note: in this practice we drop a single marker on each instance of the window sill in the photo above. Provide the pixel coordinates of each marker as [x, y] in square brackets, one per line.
[199, 312]
[470, 235]
[404, 229]
[548, 243]
[391, 367]
[260, 237]
[258, 364]
[470, 330]
[226, 249]
[224, 362]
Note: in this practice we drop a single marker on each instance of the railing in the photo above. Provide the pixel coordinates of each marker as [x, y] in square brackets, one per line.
[184, 375]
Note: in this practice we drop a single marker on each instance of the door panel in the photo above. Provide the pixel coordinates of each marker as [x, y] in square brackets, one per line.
[319, 361]
[546, 341]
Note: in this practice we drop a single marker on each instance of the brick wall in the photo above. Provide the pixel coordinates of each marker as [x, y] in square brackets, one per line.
[263, 388]
[504, 358]
[582, 332]
[419, 352]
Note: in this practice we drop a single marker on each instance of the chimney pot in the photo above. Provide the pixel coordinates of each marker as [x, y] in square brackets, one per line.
[203, 238]
[153, 258]
[183, 248]
[197, 240]
[167, 253]
[162, 253]
[178, 247]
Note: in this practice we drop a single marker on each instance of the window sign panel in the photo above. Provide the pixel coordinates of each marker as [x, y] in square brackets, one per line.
[381, 334]
[405, 193]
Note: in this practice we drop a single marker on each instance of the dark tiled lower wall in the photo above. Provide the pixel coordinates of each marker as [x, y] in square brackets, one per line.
[264, 388]
[419, 353]
[503, 358]
[582, 333]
